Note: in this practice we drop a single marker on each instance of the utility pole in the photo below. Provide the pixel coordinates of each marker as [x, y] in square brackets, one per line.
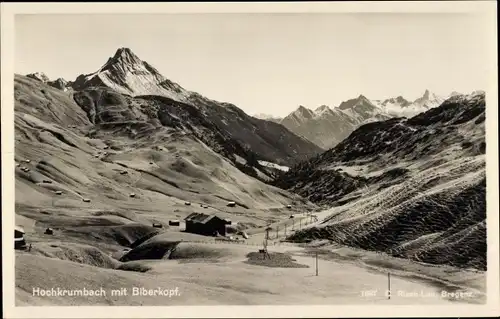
[266, 254]
[389, 285]
[316, 263]
[285, 229]
[277, 228]
[300, 223]
[268, 229]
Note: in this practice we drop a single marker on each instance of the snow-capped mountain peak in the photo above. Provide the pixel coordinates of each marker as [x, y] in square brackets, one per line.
[428, 100]
[127, 54]
[427, 94]
[126, 73]
[262, 116]
[124, 59]
[40, 76]
[454, 93]
[361, 97]
[399, 106]
[360, 108]
[322, 109]
[60, 83]
[397, 101]
[267, 117]
[299, 116]
[303, 112]
[361, 100]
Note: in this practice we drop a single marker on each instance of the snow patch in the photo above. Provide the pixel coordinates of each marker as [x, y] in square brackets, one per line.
[273, 165]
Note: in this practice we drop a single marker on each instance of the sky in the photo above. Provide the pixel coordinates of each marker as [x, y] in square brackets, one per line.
[270, 63]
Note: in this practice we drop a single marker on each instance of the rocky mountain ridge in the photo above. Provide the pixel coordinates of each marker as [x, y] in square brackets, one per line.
[327, 127]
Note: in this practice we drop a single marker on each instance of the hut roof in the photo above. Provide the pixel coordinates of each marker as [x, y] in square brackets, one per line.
[199, 218]
[190, 216]
[19, 229]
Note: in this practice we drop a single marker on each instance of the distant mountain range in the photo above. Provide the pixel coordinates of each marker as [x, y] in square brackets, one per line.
[305, 131]
[327, 126]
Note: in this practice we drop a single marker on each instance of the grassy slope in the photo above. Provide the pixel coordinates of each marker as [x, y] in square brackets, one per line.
[164, 168]
[227, 279]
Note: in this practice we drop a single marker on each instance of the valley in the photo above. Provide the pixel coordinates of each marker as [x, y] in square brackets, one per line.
[116, 162]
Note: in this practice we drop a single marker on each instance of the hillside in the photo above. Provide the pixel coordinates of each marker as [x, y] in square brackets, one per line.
[118, 160]
[127, 74]
[414, 188]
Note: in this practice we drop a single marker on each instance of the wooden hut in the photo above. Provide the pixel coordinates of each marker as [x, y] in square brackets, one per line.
[19, 241]
[174, 222]
[203, 224]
